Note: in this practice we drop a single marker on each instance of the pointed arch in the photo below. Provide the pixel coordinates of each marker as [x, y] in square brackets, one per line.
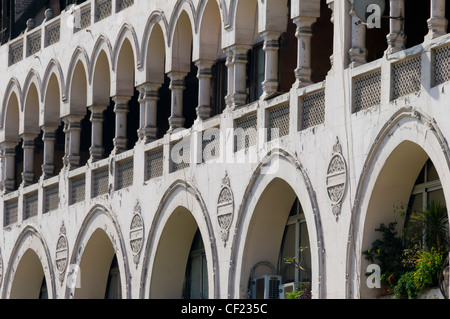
[29, 240]
[154, 48]
[78, 81]
[181, 37]
[245, 21]
[181, 204]
[282, 168]
[126, 32]
[31, 103]
[12, 87]
[102, 227]
[53, 68]
[387, 177]
[30, 122]
[209, 28]
[12, 118]
[125, 60]
[100, 72]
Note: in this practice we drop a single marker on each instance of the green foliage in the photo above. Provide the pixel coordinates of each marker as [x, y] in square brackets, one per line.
[302, 291]
[434, 222]
[427, 266]
[387, 253]
[405, 287]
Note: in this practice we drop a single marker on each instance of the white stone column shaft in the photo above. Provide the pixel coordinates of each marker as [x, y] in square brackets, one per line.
[230, 78]
[28, 158]
[240, 60]
[358, 52]
[72, 129]
[271, 48]
[437, 24]
[396, 37]
[303, 35]
[177, 87]
[204, 75]
[96, 150]
[121, 110]
[9, 156]
[49, 138]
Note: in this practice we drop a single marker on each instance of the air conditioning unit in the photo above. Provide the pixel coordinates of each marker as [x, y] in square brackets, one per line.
[287, 288]
[266, 287]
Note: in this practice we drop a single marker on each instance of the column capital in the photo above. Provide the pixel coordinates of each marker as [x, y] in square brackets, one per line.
[97, 108]
[73, 118]
[304, 25]
[28, 136]
[270, 35]
[8, 147]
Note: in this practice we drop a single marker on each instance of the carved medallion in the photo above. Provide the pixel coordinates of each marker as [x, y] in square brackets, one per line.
[225, 208]
[62, 253]
[136, 233]
[336, 179]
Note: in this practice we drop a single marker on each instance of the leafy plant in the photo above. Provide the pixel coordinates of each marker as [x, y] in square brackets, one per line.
[434, 222]
[428, 267]
[406, 287]
[387, 253]
[302, 291]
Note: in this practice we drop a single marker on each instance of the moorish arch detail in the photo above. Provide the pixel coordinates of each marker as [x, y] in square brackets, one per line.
[264, 168]
[403, 117]
[137, 233]
[225, 209]
[29, 239]
[336, 179]
[62, 253]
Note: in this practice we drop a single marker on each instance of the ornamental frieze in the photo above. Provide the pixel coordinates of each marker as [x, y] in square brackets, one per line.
[136, 233]
[225, 208]
[62, 253]
[336, 179]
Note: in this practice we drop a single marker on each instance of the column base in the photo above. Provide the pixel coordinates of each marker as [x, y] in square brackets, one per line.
[48, 170]
[303, 78]
[9, 185]
[96, 153]
[203, 112]
[27, 178]
[176, 122]
[150, 134]
[270, 88]
[120, 145]
[238, 99]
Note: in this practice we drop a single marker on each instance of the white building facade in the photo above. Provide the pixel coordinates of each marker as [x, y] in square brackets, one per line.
[182, 148]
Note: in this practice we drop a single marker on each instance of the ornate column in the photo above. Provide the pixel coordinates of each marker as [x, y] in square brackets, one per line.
[396, 37]
[151, 107]
[230, 78]
[9, 157]
[177, 87]
[437, 24]
[96, 150]
[239, 96]
[271, 48]
[303, 34]
[28, 158]
[121, 110]
[358, 52]
[72, 130]
[49, 138]
[204, 76]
